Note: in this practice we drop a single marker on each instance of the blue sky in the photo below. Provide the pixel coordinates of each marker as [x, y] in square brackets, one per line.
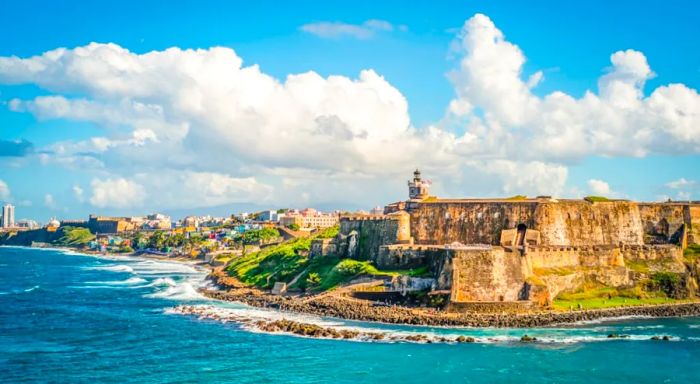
[417, 46]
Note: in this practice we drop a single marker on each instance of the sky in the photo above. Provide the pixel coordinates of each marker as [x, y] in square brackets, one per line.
[134, 107]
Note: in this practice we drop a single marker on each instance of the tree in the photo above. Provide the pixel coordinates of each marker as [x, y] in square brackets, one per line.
[157, 240]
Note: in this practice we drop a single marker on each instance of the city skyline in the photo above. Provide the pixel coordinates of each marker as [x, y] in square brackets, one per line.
[488, 99]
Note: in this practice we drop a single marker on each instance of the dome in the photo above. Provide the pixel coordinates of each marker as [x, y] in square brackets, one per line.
[54, 223]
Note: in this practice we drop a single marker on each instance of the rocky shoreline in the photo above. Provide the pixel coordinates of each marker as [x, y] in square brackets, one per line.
[345, 307]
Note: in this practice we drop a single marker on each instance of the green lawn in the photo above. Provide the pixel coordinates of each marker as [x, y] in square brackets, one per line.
[608, 297]
[599, 302]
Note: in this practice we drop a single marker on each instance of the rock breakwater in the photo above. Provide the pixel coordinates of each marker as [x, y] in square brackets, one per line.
[345, 307]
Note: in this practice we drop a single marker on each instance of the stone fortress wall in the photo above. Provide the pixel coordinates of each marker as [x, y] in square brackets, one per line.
[506, 250]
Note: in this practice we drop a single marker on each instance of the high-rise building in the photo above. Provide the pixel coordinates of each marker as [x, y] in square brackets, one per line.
[8, 216]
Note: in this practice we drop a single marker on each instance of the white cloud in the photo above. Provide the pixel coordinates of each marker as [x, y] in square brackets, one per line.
[617, 121]
[336, 29]
[116, 193]
[176, 189]
[200, 128]
[683, 188]
[599, 187]
[78, 193]
[49, 201]
[680, 183]
[4, 191]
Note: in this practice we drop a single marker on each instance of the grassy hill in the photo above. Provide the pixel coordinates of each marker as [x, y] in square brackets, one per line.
[283, 262]
[64, 236]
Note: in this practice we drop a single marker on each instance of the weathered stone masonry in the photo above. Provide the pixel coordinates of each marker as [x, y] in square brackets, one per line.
[503, 250]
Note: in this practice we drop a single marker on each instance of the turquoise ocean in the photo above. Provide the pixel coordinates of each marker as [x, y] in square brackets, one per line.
[67, 317]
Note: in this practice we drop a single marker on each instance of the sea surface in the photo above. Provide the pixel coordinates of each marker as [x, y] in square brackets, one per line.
[67, 317]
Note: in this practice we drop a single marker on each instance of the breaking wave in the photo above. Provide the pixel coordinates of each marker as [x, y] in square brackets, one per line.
[162, 268]
[183, 291]
[129, 281]
[163, 282]
[114, 268]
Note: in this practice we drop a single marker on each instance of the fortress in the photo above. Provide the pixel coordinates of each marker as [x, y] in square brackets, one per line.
[522, 251]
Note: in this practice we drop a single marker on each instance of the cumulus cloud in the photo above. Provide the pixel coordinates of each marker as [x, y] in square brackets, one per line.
[201, 128]
[116, 193]
[336, 29]
[617, 121]
[599, 187]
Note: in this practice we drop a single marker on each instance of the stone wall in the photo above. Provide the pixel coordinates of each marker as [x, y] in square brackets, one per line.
[572, 257]
[484, 274]
[662, 221]
[445, 222]
[694, 227]
[360, 237]
[323, 247]
[406, 256]
[563, 222]
[579, 222]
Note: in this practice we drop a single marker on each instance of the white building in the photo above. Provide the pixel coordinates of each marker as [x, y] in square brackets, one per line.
[268, 215]
[8, 216]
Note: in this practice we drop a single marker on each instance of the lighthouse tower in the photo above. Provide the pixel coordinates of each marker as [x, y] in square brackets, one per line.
[417, 188]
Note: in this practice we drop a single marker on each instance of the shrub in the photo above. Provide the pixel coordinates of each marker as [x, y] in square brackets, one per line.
[328, 233]
[668, 282]
[313, 279]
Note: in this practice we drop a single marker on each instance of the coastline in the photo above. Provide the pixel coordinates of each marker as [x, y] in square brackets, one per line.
[338, 305]
[87, 252]
[345, 307]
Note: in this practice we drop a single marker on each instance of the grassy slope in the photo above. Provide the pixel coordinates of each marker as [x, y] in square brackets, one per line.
[64, 236]
[74, 236]
[285, 261]
[606, 297]
[593, 297]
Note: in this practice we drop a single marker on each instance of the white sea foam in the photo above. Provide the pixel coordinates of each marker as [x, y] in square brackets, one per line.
[114, 268]
[162, 268]
[185, 290]
[16, 291]
[129, 281]
[247, 317]
[31, 289]
[163, 282]
[606, 320]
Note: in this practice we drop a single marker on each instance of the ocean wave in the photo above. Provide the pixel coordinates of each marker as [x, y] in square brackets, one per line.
[16, 291]
[182, 291]
[129, 281]
[163, 268]
[163, 282]
[113, 268]
[32, 288]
